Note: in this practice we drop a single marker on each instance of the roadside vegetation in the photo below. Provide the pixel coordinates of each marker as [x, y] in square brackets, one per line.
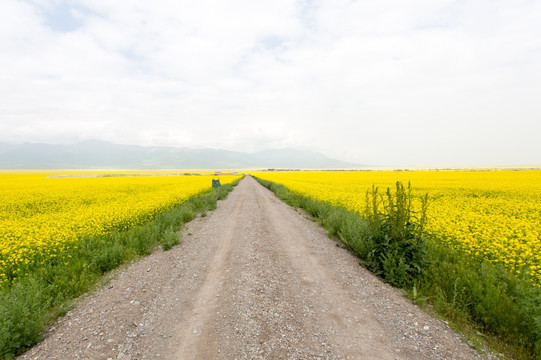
[42, 215]
[48, 289]
[485, 301]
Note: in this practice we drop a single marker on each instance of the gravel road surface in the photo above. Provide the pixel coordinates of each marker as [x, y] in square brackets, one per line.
[255, 279]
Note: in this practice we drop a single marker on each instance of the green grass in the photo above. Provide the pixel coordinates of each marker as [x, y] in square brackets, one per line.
[48, 290]
[484, 301]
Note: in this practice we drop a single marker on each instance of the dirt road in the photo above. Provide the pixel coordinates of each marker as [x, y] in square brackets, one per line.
[253, 280]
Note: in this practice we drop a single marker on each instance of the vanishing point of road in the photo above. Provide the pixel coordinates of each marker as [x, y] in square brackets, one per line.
[255, 279]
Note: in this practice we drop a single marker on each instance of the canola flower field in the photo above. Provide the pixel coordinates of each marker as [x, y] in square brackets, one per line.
[495, 215]
[41, 216]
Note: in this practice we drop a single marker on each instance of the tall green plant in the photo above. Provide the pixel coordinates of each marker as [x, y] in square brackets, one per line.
[397, 248]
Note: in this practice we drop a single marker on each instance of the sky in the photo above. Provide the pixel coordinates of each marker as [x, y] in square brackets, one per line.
[386, 83]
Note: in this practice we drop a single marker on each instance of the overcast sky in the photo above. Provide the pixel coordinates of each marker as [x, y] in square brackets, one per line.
[393, 83]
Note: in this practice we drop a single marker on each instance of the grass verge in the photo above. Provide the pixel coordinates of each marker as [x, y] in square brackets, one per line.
[47, 291]
[484, 301]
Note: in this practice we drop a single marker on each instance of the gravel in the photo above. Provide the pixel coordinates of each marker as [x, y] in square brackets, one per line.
[255, 279]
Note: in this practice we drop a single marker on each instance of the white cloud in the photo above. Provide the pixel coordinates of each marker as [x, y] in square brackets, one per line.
[391, 83]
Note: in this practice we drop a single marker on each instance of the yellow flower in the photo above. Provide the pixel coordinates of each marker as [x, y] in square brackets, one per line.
[40, 217]
[492, 214]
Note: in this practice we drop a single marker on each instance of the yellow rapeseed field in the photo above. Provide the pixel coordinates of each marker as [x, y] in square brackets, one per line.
[492, 214]
[40, 216]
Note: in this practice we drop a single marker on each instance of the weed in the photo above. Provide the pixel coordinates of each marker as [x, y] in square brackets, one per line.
[397, 251]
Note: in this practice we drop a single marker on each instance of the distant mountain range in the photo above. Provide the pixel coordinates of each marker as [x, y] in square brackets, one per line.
[104, 155]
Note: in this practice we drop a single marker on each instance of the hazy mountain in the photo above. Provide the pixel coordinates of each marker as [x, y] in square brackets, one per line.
[104, 155]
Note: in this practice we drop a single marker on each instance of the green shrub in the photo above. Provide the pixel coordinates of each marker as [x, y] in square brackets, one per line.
[397, 250]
